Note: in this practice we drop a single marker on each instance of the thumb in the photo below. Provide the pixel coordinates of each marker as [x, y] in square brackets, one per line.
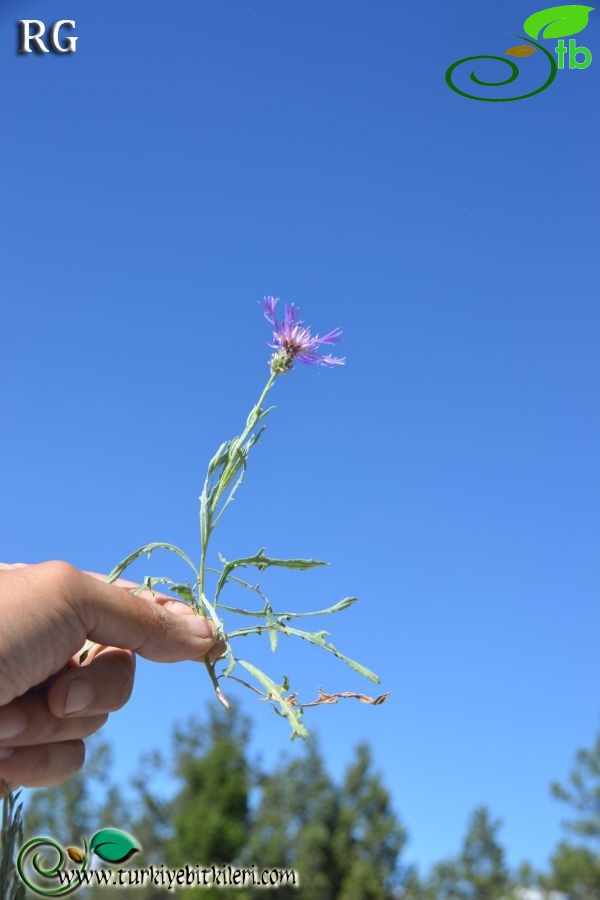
[157, 627]
[48, 611]
[168, 615]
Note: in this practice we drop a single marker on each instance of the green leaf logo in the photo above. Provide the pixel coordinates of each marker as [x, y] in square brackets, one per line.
[113, 846]
[558, 21]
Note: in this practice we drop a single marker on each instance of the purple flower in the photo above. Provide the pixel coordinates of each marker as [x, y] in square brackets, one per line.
[292, 339]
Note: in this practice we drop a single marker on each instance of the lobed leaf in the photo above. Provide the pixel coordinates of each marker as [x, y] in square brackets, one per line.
[275, 693]
[260, 562]
[186, 593]
[337, 607]
[149, 549]
[318, 639]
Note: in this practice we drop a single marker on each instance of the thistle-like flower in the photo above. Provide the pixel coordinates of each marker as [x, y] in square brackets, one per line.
[292, 339]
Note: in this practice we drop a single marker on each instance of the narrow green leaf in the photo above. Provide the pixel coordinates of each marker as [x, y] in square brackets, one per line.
[150, 583]
[253, 629]
[274, 693]
[219, 629]
[260, 561]
[231, 664]
[149, 549]
[338, 607]
[238, 459]
[230, 498]
[185, 592]
[318, 639]
[273, 632]
[219, 459]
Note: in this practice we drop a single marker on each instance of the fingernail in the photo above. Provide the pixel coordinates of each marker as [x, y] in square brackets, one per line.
[199, 626]
[12, 723]
[6, 752]
[79, 696]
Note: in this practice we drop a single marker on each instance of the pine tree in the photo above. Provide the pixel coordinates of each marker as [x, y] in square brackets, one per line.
[343, 841]
[575, 867]
[209, 813]
[480, 871]
[368, 837]
[294, 825]
[482, 861]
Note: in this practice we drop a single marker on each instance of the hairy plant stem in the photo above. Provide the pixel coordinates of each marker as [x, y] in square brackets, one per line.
[208, 522]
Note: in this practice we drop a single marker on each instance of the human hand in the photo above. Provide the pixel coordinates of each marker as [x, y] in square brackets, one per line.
[48, 612]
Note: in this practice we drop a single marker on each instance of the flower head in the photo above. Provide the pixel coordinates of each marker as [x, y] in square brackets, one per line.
[292, 339]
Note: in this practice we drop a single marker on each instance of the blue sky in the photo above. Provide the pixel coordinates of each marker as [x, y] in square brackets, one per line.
[190, 159]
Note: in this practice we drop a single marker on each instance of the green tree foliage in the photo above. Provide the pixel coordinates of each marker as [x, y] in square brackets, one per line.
[575, 871]
[150, 816]
[368, 837]
[343, 841]
[295, 823]
[480, 872]
[575, 867]
[209, 813]
[582, 793]
[482, 858]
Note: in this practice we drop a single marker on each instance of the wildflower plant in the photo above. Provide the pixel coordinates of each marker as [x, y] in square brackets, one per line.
[292, 341]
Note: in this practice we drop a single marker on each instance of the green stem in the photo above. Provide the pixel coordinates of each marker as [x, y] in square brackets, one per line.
[206, 526]
[205, 532]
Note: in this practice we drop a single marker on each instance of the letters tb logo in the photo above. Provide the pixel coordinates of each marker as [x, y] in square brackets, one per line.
[32, 32]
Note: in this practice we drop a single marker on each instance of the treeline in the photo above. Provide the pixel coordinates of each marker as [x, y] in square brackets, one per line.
[345, 840]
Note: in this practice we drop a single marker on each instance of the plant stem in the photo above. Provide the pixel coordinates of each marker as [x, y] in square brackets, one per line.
[206, 530]
[206, 523]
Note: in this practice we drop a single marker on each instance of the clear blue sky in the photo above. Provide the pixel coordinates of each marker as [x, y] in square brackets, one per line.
[192, 157]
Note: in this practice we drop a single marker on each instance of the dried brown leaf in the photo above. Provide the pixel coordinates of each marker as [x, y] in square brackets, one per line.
[325, 698]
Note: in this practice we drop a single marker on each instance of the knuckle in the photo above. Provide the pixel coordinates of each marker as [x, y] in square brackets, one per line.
[62, 574]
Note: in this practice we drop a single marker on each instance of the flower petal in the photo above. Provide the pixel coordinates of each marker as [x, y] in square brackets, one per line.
[268, 305]
[309, 359]
[332, 337]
